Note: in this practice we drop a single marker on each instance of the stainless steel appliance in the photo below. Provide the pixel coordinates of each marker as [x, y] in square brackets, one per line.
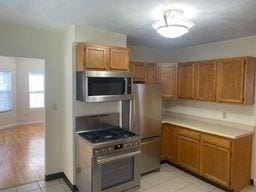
[99, 86]
[147, 124]
[107, 158]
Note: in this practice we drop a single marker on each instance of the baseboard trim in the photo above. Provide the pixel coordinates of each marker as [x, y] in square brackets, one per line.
[61, 175]
[199, 176]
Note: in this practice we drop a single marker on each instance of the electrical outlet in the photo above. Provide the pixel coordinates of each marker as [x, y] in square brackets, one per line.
[224, 115]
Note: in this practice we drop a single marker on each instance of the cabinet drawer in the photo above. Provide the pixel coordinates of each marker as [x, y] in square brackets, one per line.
[189, 133]
[221, 142]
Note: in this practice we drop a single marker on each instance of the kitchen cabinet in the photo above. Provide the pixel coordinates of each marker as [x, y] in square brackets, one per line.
[119, 59]
[163, 138]
[189, 150]
[96, 57]
[235, 81]
[215, 158]
[186, 80]
[171, 142]
[138, 70]
[99, 57]
[167, 77]
[216, 162]
[151, 73]
[205, 80]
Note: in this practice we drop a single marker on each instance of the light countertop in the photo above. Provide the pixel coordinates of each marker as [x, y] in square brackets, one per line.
[220, 130]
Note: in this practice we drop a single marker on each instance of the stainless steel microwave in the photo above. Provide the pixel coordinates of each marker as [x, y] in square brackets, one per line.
[100, 86]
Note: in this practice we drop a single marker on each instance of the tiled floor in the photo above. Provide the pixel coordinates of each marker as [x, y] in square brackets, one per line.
[169, 179]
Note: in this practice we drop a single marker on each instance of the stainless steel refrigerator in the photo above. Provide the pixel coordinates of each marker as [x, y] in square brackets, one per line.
[147, 124]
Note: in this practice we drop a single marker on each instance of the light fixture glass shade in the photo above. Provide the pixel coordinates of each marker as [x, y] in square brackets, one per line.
[172, 31]
[173, 24]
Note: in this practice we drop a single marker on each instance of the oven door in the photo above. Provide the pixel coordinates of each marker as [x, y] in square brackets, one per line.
[116, 173]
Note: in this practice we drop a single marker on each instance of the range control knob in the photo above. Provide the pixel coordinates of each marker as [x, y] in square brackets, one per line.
[110, 149]
[125, 145]
[136, 143]
[96, 151]
[103, 150]
[131, 144]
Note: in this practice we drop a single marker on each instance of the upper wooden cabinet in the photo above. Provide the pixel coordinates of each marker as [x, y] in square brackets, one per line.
[151, 73]
[96, 57]
[119, 59]
[186, 80]
[99, 57]
[167, 77]
[205, 80]
[235, 81]
[138, 71]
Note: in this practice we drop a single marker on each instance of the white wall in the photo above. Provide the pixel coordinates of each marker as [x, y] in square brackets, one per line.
[9, 118]
[147, 54]
[236, 114]
[28, 42]
[75, 108]
[24, 66]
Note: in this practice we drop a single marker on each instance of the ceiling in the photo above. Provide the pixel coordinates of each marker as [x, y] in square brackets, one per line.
[215, 20]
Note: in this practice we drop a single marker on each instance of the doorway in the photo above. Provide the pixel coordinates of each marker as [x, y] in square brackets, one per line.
[22, 114]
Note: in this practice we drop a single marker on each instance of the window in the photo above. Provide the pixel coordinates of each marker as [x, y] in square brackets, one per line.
[5, 91]
[36, 90]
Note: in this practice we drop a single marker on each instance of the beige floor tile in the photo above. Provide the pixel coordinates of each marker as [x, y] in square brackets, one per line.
[180, 182]
[53, 188]
[166, 187]
[153, 179]
[9, 190]
[28, 187]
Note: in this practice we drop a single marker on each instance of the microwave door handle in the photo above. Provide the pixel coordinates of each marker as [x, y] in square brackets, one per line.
[108, 159]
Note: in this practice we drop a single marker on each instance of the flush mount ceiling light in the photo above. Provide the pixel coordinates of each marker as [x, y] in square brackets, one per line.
[173, 24]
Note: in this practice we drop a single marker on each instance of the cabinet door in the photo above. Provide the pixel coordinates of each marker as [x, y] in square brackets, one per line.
[231, 80]
[163, 142]
[189, 153]
[138, 71]
[171, 142]
[186, 80]
[216, 163]
[79, 52]
[205, 80]
[151, 73]
[167, 77]
[96, 57]
[119, 59]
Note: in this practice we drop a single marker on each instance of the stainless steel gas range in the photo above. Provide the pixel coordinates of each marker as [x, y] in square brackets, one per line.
[107, 156]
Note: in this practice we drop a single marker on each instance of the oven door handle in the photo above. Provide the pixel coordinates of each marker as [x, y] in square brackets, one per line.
[108, 159]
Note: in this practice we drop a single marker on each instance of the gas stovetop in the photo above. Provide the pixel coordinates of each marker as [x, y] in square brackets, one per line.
[109, 134]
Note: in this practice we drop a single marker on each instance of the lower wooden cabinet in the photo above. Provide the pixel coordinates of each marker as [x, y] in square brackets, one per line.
[189, 153]
[215, 163]
[224, 161]
[168, 143]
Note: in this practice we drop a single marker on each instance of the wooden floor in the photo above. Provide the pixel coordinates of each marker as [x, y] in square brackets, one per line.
[21, 155]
